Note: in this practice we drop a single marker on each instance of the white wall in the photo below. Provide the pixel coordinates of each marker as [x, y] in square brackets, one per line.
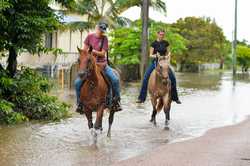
[60, 39]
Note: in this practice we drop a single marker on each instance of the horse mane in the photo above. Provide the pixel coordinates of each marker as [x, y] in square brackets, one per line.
[158, 77]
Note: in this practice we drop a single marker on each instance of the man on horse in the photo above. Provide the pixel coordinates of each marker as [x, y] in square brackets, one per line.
[158, 47]
[98, 42]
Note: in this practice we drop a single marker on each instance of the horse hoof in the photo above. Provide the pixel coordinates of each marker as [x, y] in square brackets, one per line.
[166, 125]
[166, 128]
[109, 135]
[94, 135]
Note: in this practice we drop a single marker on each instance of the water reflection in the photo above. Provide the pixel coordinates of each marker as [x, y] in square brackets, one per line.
[209, 100]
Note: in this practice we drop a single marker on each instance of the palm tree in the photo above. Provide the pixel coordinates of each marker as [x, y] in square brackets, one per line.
[144, 36]
[110, 10]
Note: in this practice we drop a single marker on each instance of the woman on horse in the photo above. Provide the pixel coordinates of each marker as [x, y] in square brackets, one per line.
[158, 47]
[99, 44]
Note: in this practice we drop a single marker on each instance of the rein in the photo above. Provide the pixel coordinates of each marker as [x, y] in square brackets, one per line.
[159, 73]
[88, 71]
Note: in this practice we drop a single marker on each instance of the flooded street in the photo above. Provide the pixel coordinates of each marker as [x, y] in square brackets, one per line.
[209, 100]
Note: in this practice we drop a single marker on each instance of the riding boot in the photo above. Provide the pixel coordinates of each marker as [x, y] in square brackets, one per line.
[175, 95]
[80, 108]
[109, 99]
[116, 104]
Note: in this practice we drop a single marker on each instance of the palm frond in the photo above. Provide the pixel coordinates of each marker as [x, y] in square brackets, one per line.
[80, 25]
[158, 5]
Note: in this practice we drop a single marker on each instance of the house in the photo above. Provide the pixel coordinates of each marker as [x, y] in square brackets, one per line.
[52, 65]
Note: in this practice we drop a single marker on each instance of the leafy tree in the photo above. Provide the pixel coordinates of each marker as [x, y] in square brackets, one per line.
[125, 42]
[177, 42]
[23, 94]
[125, 45]
[22, 26]
[206, 41]
[243, 57]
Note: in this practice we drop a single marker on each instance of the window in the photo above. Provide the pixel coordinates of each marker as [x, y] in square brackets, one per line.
[48, 40]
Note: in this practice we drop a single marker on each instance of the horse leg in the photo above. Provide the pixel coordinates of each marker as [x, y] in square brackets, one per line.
[153, 120]
[88, 114]
[99, 116]
[154, 112]
[111, 118]
[167, 108]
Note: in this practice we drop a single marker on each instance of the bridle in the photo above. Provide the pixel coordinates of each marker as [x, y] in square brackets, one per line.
[87, 71]
[160, 73]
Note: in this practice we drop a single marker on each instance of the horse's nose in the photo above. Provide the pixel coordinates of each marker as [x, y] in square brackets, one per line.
[165, 77]
[165, 80]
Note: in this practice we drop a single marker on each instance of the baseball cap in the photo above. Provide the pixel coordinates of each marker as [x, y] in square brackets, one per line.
[102, 26]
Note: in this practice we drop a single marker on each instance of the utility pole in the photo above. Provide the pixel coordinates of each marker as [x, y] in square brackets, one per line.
[144, 36]
[235, 38]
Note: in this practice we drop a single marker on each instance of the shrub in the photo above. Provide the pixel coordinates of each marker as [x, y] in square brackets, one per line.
[25, 97]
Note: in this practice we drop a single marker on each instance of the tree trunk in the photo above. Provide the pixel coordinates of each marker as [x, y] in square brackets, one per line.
[70, 39]
[144, 37]
[222, 63]
[81, 44]
[12, 62]
[181, 66]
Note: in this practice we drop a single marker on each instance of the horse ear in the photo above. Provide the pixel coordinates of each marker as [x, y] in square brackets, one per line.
[90, 49]
[79, 49]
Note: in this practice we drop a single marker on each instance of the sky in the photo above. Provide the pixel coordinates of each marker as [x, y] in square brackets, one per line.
[221, 10]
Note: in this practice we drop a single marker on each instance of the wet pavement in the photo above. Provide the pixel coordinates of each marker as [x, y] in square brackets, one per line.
[209, 100]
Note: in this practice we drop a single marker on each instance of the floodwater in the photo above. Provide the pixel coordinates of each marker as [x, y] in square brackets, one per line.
[209, 100]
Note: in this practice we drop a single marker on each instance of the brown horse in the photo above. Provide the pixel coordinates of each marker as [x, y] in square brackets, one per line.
[94, 92]
[160, 90]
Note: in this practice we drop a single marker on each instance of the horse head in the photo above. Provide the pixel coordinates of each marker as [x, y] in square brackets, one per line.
[87, 62]
[162, 68]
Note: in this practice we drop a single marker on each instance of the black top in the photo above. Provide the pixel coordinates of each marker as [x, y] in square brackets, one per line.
[160, 47]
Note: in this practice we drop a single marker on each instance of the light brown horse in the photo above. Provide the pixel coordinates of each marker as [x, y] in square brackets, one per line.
[160, 90]
[94, 92]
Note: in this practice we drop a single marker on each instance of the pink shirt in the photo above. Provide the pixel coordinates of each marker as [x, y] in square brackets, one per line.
[95, 42]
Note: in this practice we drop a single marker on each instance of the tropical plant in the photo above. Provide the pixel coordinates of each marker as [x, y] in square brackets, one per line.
[25, 97]
[243, 57]
[109, 11]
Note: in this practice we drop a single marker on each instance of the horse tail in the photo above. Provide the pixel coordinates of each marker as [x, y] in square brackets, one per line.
[159, 105]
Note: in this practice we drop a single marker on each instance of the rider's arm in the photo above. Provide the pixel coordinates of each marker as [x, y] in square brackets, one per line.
[151, 51]
[168, 54]
[99, 53]
[104, 49]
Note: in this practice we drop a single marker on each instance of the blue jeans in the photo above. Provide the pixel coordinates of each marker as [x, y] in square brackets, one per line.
[114, 79]
[144, 88]
[78, 84]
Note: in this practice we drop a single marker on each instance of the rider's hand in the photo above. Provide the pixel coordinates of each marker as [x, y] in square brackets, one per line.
[81, 74]
[153, 56]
